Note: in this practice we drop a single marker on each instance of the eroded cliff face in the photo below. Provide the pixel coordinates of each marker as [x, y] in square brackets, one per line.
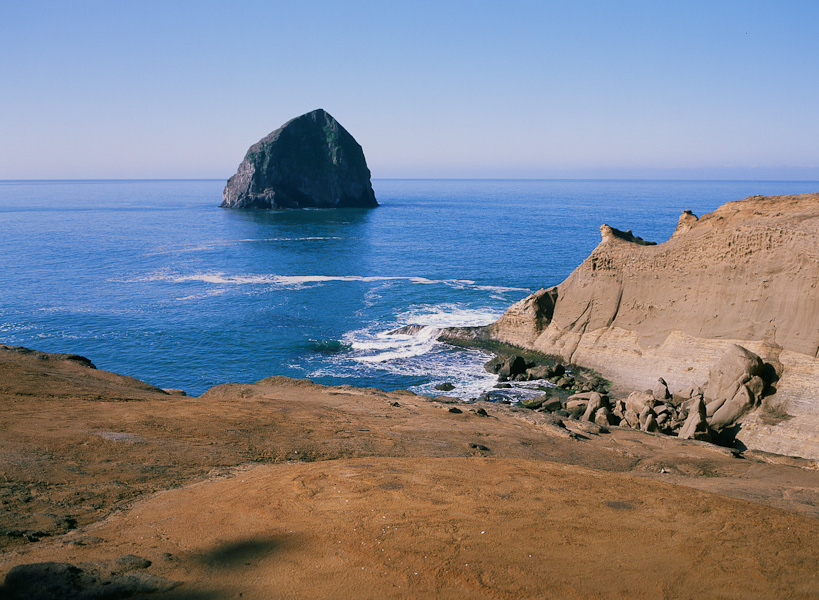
[747, 274]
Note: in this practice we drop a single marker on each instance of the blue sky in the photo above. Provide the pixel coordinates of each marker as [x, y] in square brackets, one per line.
[651, 89]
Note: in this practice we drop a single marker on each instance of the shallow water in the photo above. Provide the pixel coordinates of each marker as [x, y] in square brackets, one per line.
[152, 279]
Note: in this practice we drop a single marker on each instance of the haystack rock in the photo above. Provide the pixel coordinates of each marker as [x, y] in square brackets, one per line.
[746, 274]
[310, 161]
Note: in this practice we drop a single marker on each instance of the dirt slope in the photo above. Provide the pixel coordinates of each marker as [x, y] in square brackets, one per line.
[285, 488]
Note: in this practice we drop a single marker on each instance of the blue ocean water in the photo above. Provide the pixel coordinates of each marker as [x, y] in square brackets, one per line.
[152, 279]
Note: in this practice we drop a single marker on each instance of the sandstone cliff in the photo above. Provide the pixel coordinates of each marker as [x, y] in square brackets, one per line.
[310, 161]
[747, 274]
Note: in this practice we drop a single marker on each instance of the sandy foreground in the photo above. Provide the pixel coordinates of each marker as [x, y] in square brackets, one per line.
[287, 489]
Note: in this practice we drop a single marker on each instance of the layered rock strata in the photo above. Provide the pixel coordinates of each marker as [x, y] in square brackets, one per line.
[310, 161]
[746, 274]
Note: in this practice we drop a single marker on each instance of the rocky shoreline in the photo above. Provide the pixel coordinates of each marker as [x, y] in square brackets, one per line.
[736, 285]
[739, 383]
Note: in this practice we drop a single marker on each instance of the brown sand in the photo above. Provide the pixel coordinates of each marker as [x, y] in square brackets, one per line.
[286, 489]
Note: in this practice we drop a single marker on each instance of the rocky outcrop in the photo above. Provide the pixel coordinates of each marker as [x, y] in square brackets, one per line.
[310, 161]
[746, 274]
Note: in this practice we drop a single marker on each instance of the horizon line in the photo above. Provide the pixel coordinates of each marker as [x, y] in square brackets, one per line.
[148, 179]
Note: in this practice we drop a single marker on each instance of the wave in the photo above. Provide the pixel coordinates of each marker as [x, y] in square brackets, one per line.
[221, 278]
[420, 336]
[394, 346]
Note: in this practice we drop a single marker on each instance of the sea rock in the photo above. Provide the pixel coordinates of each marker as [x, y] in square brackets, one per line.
[510, 367]
[310, 161]
[445, 387]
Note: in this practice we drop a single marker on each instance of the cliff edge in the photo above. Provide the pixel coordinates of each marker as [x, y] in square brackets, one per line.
[746, 274]
[310, 161]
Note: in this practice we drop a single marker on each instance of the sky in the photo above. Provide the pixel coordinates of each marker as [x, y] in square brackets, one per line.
[666, 89]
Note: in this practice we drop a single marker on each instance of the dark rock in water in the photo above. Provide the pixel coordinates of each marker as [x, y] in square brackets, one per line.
[533, 403]
[540, 372]
[565, 382]
[445, 387]
[511, 367]
[310, 161]
[406, 330]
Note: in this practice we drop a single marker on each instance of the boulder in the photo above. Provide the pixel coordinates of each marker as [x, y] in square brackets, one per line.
[602, 417]
[583, 396]
[756, 386]
[736, 368]
[696, 425]
[533, 403]
[661, 390]
[540, 372]
[644, 415]
[576, 404]
[552, 404]
[310, 161]
[731, 410]
[637, 401]
[650, 424]
[595, 402]
[445, 387]
[632, 418]
[511, 367]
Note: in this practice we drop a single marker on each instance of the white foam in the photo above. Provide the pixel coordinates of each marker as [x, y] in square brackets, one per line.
[383, 346]
[202, 296]
[398, 346]
[290, 280]
[450, 315]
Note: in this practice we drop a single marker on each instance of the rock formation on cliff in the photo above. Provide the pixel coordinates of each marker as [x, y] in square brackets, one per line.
[746, 274]
[310, 161]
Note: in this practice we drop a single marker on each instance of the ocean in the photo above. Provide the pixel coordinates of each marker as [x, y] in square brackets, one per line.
[151, 279]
